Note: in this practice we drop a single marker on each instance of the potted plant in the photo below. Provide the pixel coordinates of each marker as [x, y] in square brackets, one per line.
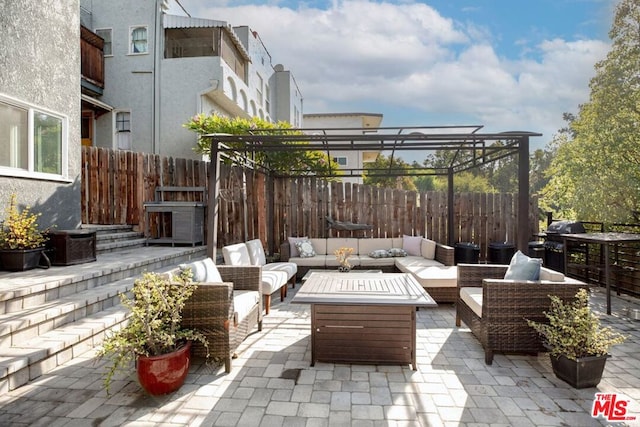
[22, 244]
[578, 344]
[153, 337]
[342, 255]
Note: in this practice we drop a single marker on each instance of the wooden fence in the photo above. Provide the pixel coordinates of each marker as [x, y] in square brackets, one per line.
[115, 184]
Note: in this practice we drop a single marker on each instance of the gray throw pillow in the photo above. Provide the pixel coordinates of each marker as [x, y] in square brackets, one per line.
[379, 253]
[397, 252]
[523, 268]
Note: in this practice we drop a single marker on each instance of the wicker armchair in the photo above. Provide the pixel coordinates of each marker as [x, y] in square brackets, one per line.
[505, 306]
[211, 310]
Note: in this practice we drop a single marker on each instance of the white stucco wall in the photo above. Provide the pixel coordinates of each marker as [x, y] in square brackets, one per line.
[40, 65]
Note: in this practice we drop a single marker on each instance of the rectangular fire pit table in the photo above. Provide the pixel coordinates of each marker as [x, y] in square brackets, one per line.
[363, 317]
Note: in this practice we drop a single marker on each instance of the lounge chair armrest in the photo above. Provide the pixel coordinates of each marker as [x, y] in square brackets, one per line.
[445, 254]
[243, 277]
[210, 304]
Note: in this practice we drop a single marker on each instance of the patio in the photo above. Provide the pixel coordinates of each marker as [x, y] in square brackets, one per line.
[272, 384]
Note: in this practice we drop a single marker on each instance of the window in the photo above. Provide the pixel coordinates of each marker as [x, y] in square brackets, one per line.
[139, 42]
[123, 130]
[32, 140]
[106, 36]
[341, 160]
[259, 85]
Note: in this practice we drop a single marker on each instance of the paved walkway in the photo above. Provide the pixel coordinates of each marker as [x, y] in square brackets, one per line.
[272, 384]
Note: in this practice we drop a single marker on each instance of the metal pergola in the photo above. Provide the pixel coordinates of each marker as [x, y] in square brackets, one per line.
[481, 147]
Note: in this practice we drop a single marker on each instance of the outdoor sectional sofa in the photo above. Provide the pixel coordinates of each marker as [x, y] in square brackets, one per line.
[431, 263]
[496, 309]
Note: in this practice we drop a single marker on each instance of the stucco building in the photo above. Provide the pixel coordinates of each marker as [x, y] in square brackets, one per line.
[162, 69]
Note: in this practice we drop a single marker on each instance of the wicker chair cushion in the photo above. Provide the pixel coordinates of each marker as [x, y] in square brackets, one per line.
[272, 281]
[237, 254]
[472, 297]
[288, 267]
[244, 302]
[522, 267]
[428, 249]
[256, 252]
[411, 244]
[203, 271]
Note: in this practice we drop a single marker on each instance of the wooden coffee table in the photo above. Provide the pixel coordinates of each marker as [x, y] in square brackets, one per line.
[363, 317]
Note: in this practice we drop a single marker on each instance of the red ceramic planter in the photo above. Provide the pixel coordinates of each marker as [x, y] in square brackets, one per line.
[166, 373]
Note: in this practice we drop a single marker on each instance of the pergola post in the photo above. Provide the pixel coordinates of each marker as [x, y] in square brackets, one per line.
[212, 197]
[450, 201]
[523, 194]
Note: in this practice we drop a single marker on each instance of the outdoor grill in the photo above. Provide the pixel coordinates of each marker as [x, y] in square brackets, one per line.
[553, 245]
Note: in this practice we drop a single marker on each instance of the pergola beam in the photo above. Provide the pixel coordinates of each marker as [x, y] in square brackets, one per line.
[416, 138]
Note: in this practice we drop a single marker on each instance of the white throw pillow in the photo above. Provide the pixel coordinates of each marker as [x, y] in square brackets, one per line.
[411, 244]
[203, 271]
[305, 248]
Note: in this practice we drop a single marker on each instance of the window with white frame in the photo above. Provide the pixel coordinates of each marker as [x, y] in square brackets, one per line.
[139, 40]
[259, 90]
[33, 141]
[123, 130]
[105, 33]
[340, 160]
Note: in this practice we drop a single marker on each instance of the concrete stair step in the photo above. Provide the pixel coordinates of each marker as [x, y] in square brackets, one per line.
[119, 244]
[49, 316]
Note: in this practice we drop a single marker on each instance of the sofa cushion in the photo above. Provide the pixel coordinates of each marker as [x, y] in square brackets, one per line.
[272, 281]
[293, 250]
[406, 264]
[256, 252]
[366, 246]
[367, 261]
[288, 267]
[237, 254]
[305, 249]
[203, 271]
[435, 276]
[319, 245]
[522, 267]
[244, 302]
[472, 296]
[411, 244]
[428, 249]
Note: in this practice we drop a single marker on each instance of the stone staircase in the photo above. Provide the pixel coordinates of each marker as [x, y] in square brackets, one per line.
[49, 316]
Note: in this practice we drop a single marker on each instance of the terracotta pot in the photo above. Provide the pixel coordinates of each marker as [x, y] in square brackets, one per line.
[165, 373]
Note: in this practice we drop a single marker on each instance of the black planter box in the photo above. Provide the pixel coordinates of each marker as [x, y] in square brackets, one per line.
[582, 373]
[69, 247]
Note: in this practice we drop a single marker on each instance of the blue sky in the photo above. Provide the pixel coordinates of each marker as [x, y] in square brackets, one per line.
[508, 65]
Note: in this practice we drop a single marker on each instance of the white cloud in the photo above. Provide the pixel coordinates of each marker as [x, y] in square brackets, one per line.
[407, 56]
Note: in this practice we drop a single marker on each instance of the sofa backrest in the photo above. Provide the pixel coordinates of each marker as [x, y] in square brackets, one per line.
[237, 254]
[335, 243]
[366, 246]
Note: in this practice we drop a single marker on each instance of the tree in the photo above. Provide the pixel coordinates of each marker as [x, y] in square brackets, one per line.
[395, 170]
[303, 161]
[596, 173]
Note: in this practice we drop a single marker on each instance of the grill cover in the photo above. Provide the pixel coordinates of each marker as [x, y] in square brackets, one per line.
[565, 227]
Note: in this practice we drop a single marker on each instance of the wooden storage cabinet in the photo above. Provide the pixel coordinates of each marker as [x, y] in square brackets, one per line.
[363, 334]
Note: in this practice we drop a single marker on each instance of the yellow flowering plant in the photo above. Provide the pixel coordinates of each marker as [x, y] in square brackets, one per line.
[342, 255]
[19, 230]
